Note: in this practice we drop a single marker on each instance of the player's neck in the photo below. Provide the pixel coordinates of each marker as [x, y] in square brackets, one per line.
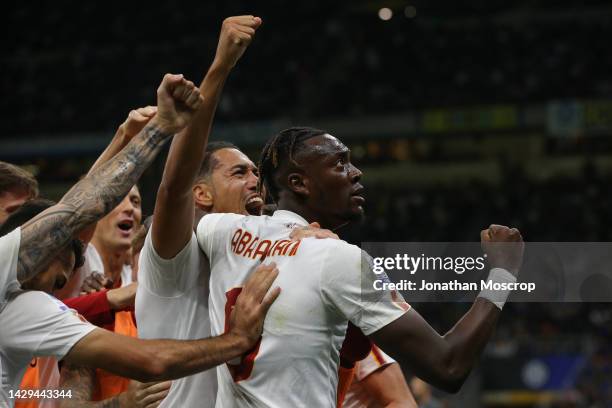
[307, 213]
[113, 261]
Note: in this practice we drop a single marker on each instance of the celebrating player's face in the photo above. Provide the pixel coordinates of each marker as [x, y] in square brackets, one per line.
[234, 183]
[118, 228]
[55, 276]
[333, 181]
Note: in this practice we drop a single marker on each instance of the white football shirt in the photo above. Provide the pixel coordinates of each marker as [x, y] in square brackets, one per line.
[357, 396]
[9, 252]
[172, 303]
[323, 287]
[34, 324]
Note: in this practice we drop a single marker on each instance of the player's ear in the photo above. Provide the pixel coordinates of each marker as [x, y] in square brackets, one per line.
[203, 196]
[298, 183]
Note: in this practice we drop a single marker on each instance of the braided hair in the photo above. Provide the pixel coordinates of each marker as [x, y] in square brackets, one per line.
[279, 150]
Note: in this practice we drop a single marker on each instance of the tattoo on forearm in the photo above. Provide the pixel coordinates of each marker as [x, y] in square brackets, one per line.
[88, 201]
[80, 380]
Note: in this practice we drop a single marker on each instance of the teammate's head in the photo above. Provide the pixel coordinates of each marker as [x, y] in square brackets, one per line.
[16, 186]
[309, 171]
[227, 182]
[67, 260]
[116, 230]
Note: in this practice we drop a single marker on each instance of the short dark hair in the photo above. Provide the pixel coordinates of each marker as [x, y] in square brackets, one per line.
[279, 150]
[12, 176]
[209, 163]
[31, 209]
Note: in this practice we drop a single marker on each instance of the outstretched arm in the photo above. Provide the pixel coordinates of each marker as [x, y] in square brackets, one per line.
[98, 193]
[174, 207]
[446, 361]
[155, 360]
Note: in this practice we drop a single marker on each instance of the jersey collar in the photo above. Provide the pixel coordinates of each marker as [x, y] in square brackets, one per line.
[289, 216]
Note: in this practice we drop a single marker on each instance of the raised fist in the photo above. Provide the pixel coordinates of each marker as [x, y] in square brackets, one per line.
[504, 247]
[236, 35]
[136, 120]
[177, 100]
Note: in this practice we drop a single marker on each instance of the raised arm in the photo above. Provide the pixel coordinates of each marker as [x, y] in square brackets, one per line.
[445, 361]
[135, 122]
[174, 207]
[98, 193]
[155, 360]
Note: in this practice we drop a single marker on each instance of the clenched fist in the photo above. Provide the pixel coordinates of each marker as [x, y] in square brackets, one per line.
[177, 100]
[136, 121]
[504, 247]
[236, 35]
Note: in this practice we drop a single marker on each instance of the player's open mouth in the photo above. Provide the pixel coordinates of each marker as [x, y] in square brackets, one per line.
[126, 226]
[253, 204]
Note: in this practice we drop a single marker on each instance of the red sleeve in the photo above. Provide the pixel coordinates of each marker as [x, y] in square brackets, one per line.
[94, 307]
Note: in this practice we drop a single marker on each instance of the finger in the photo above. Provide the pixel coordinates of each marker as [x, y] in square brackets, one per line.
[245, 29]
[189, 87]
[158, 386]
[193, 98]
[241, 38]
[295, 233]
[314, 225]
[178, 90]
[157, 397]
[484, 235]
[265, 283]
[147, 111]
[171, 80]
[260, 281]
[268, 300]
[248, 20]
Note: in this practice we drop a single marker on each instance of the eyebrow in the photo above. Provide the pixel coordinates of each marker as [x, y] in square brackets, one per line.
[243, 166]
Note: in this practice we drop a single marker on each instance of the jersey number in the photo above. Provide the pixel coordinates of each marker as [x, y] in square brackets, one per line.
[243, 369]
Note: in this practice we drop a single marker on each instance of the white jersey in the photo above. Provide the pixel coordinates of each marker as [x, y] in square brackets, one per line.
[9, 252]
[172, 303]
[357, 396]
[296, 362]
[34, 324]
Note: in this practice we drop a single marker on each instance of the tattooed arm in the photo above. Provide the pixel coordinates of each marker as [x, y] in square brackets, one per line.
[81, 383]
[135, 122]
[99, 192]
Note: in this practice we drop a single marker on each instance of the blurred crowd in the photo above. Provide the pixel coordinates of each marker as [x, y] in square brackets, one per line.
[335, 59]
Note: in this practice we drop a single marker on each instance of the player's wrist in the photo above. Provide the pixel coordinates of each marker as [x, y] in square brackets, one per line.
[161, 127]
[498, 291]
[239, 342]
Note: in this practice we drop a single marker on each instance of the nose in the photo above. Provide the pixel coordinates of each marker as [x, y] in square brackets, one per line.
[252, 181]
[355, 174]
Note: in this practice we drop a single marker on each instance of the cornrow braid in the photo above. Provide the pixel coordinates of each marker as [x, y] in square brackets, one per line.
[281, 148]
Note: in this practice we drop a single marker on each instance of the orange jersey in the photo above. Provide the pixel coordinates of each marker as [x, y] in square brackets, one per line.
[356, 347]
[109, 385]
